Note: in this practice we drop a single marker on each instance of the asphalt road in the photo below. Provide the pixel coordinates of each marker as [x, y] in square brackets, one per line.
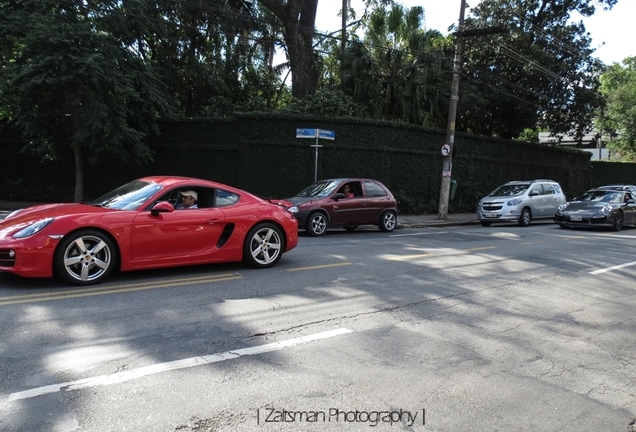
[448, 329]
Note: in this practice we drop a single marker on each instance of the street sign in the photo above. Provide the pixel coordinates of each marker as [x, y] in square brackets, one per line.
[326, 134]
[317, 134]
[306, 133]
[446, 149]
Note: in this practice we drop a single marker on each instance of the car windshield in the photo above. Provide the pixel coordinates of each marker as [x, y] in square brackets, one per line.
[601, 196]
[509, 190]
[319, 189]
[130, 196]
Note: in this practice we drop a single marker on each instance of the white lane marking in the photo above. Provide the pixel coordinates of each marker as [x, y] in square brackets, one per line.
[617, 235]
[173, 365]
[417, 234]
[609, 269]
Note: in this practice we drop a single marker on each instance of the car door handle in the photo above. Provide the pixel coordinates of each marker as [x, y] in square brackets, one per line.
[212, 221]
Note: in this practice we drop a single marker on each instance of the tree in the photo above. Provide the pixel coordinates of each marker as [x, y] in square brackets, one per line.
[618, 118]
[397, 71]
[298, 18]
[70, 85]
[539, 72]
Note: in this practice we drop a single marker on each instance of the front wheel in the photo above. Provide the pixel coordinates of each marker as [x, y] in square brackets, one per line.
[618, 221]
[525, 218]
[85, 257]
[388, 221]
[264, 245]
[485, 223]
[316, 224]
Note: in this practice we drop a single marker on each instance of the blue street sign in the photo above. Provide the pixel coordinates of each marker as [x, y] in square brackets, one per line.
[326, 134]
[305, 133]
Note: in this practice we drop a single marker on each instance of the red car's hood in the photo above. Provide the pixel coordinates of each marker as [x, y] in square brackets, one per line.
[302, 200]
[43, 211]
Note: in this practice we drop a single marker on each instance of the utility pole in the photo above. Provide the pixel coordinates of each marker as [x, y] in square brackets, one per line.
[345, 11]
[343, 41]
[447, 166]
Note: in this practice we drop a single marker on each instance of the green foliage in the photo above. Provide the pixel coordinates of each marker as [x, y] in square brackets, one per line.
[324, 103]
[397, 71]
[618, 119]
[260, 153]
[70, 86]
[538, 69]
[529, 135]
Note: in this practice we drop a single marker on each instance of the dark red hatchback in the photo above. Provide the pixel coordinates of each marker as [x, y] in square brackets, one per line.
[344, 202]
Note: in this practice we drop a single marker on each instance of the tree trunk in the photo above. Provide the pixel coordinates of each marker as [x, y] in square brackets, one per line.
[298, 18]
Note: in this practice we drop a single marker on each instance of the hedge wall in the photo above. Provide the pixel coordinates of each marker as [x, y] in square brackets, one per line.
[260, 153]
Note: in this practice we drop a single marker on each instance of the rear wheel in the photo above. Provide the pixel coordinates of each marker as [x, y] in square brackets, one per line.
[618, 221]
[525, 218]
[264, 245]
[316, 224]
[85, 257]
[388, 220]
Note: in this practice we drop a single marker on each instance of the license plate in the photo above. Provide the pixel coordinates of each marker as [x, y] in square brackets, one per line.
[490, 215]
[575, 218]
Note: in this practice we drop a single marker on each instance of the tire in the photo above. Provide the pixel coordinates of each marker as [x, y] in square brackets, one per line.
[351, 228]
[485, 224]
[388, 221]
[316, 224]
[563, 226]
[85, 257]
[618, 221]
[264, 245]
[525, 218]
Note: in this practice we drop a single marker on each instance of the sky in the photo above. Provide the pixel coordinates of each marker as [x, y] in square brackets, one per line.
[610, 30]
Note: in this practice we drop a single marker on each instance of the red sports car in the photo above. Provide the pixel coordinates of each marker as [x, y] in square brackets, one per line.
[140, 226]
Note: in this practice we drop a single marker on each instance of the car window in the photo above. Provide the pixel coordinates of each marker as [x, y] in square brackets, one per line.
[224, 198]
[536, 188]
[319, 189]
[509, 190]
[603, 196]
[557, 188]
[374, 189]
[548, 189]
[130, 196]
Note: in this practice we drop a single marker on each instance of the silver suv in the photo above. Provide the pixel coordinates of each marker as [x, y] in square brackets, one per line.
[521, 201]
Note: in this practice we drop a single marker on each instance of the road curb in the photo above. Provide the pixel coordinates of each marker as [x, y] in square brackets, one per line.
[434, 224]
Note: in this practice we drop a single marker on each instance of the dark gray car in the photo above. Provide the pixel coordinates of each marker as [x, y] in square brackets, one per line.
[601, 207]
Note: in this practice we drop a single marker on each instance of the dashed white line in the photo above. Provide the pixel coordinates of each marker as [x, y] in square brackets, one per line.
[173, 365]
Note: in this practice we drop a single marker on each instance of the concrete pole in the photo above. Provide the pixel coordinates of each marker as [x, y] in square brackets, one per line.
[447, 165]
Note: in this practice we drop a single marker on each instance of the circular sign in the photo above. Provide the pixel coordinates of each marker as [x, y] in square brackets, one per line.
[446, 149]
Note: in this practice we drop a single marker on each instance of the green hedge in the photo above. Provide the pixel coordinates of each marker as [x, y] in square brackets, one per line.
[260, 153]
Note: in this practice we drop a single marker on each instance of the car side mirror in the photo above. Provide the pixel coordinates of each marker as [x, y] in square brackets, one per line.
[162, 207]
[534, 193]
[338, 196]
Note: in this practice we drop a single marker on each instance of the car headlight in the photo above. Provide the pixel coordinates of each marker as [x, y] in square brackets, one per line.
[606, 209]
[561, 207]
[292, 209]
[514, 202]
[33, 228]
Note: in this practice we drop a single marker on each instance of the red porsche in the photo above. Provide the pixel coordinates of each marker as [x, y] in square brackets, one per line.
[141, 225]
